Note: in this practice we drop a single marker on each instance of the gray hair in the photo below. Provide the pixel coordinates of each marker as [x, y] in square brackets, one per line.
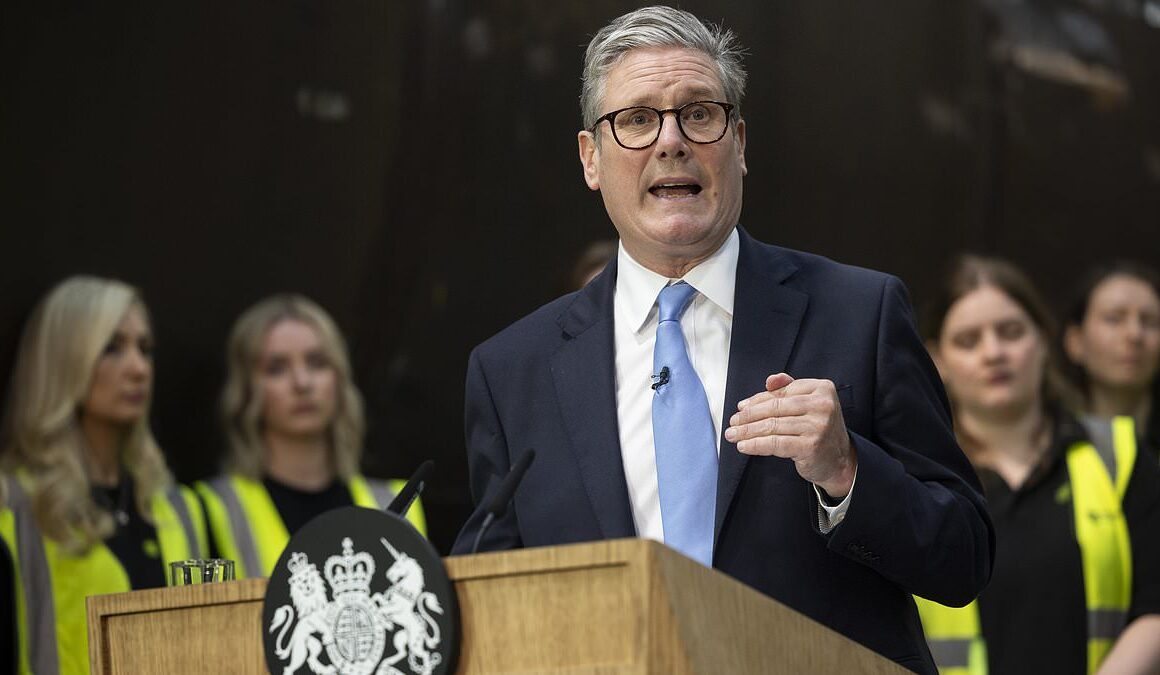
[659, 26]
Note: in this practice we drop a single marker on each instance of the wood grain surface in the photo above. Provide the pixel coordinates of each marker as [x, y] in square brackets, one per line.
[620, 607]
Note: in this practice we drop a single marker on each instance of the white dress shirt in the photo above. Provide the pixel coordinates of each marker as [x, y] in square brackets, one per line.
[707, 326]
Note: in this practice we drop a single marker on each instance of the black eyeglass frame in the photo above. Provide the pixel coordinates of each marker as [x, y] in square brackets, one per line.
[661, 116]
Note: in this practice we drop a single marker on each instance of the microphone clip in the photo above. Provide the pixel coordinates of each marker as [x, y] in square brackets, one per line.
[662, 378]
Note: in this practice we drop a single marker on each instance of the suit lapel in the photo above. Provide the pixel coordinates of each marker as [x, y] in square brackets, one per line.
[766, 318]
[583, 371]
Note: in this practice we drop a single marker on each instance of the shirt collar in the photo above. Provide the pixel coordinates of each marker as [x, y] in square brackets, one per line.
[637, 287]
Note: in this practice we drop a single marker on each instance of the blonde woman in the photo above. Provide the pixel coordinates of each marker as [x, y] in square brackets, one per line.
[294, 426]
[90, 504]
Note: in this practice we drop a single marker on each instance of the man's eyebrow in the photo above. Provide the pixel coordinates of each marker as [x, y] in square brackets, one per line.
[701, 92]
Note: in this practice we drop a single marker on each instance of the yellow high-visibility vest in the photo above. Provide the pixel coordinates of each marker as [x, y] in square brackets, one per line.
[51, 585]
[247, 528]
[954, 635]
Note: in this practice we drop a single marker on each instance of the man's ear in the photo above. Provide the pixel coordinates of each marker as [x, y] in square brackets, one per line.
[741, 146]
[589, 159]
[1073, 344]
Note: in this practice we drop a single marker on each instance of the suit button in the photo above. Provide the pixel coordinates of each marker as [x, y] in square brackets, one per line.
[861, 552]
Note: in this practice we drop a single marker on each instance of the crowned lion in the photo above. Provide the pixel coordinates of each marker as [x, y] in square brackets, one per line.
[308, 593]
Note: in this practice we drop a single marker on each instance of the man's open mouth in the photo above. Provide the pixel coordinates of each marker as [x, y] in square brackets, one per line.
[675, 189]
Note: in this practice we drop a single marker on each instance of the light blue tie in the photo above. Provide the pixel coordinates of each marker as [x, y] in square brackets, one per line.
[686, 451]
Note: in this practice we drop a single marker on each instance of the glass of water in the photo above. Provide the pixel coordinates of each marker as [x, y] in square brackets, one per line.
[200, 571]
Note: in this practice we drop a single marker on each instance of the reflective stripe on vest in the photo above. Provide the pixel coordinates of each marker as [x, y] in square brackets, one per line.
[373, 494]
[955, 639]
[1102, 533]
[52, 583]
[235, 524]
[36, 625]
[378, 494]
[1106, 554]
[240, 507]
[177, 543]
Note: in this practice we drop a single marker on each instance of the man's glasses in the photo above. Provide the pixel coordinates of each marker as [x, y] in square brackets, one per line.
[639, 127]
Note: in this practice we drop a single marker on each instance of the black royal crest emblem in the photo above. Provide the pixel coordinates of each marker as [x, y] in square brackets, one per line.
[360, 592]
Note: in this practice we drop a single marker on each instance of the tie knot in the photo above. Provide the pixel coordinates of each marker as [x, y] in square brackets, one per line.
[673, 301]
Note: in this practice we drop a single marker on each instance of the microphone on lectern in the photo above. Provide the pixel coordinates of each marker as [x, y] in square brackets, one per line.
[497, 505]
[402, 501]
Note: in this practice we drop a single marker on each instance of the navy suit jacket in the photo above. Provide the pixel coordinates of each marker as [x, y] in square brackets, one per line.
[916, 524]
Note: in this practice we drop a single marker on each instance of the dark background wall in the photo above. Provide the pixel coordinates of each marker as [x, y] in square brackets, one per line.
[412, 166]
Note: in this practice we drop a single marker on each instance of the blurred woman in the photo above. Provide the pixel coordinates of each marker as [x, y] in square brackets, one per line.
[592, 261]
[294, 427]
[1076, 581]
[1112, 338]
[90, 505]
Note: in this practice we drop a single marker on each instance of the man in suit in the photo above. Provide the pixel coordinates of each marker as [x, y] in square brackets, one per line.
[769, 412]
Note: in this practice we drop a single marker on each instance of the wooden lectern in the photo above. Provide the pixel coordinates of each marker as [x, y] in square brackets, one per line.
[625, 606]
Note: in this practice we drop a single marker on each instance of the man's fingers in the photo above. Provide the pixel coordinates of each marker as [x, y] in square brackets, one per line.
[787, 447]
[782, 385]
[791, 387]
[755, 399]
[768, 426]
[793, 406]
[777, 381]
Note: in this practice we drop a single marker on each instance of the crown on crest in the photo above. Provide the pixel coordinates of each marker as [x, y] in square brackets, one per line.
[299, 563]
[351, 572]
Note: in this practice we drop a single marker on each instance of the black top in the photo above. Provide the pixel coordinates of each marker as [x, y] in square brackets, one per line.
[1033, 612]
[134, 542]
[297, 507]
[1152, 430]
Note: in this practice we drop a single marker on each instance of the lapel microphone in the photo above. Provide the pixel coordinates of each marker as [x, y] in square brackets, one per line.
[497, 505]
[415, 484]
[662, 378]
